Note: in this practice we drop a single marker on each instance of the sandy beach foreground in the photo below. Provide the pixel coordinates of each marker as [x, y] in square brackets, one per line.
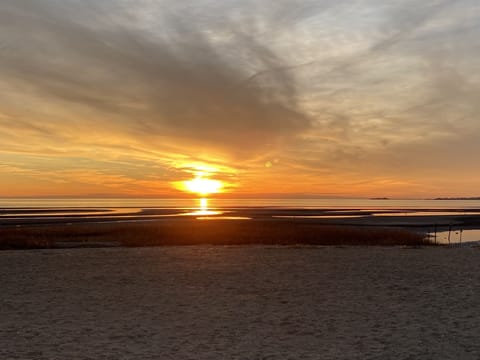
[240, 302]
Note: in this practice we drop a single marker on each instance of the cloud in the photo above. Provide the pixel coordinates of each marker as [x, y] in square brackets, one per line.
[341, 92]
[183, 80]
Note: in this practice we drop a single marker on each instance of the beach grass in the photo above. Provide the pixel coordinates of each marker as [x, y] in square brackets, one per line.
[194, 232]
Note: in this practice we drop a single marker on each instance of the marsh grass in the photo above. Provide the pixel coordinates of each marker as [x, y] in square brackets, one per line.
[193, 232]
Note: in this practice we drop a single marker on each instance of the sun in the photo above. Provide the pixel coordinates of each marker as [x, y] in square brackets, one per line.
[202, 186]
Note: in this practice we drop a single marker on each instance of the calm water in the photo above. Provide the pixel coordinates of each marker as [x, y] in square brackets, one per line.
[228, 203]
[457, 236]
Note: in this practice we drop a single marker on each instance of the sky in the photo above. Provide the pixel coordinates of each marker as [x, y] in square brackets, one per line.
[285, 98]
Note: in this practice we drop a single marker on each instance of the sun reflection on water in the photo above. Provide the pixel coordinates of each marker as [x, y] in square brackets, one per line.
[203, 210]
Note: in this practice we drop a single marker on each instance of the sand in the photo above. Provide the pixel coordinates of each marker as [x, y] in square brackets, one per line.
[248, 302]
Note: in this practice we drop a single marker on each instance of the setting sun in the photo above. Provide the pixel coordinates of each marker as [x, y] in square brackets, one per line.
[202, 186]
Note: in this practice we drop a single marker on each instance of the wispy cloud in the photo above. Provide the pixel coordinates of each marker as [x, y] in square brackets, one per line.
[322, 92]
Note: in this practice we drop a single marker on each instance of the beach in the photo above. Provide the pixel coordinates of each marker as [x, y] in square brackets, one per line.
[240, 302]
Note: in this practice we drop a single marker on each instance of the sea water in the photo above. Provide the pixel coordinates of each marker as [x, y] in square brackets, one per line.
[323, 203]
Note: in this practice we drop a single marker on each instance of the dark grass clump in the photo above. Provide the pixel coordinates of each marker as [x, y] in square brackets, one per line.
[16, 239]
[212, 232]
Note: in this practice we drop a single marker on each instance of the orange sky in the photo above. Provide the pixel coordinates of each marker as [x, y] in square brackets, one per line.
[364, 99]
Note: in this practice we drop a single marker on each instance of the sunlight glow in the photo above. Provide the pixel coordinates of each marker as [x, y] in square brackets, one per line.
[203, 186]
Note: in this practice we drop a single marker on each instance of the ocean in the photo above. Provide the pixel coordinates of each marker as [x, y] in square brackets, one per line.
[330, 203]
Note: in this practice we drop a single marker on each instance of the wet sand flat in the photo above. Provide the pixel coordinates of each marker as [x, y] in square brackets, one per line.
[240, 302]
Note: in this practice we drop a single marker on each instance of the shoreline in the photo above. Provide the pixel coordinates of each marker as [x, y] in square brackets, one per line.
[133, 227]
